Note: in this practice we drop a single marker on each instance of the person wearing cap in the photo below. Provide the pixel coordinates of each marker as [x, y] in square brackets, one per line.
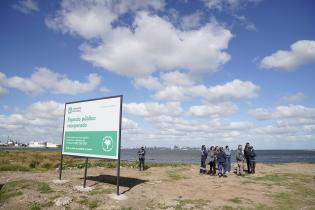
[141, 155]
[204, 155]
[240, 161]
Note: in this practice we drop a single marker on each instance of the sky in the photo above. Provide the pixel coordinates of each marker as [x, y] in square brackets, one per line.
[191, 72]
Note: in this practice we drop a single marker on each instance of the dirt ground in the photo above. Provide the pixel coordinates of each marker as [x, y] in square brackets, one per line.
[166, 188]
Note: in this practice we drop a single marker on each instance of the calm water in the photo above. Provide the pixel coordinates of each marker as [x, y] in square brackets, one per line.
[193, 156]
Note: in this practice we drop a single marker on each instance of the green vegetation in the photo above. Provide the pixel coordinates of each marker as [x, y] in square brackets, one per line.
[41, 161]
[258, 207]
[236, 200]
[102, 191]
[175, 175]
[15, 188]
[34, 206]
[85, 201]
[191, 204]
[13, 167]
[300, 189]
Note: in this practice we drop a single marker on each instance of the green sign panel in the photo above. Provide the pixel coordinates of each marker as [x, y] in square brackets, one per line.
[91, 142]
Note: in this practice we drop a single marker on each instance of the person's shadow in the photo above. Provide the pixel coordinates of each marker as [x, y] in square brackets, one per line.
[123, 181]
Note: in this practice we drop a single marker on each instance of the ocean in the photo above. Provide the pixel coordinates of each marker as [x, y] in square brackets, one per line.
[193, 155]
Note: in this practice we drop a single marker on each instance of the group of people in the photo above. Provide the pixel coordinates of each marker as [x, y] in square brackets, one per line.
[220, 159]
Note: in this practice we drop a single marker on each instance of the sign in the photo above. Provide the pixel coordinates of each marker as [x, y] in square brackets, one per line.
[92, 128]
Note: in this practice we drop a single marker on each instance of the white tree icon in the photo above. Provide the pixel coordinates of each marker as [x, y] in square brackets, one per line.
[107, 143]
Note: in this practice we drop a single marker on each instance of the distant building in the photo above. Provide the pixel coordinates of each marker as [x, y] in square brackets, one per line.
[52, 145]
[37, 144]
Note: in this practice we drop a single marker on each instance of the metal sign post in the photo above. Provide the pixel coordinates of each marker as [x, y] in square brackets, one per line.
[119, 142]
[85, 171]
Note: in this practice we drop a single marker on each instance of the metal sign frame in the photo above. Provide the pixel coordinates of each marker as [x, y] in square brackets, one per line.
[86, 160]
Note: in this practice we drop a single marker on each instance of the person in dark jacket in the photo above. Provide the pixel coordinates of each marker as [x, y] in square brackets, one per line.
[252, 162]
[141, 156]
[221, 158]
[212, 161]
[246, 155]
[204, 155]
[227, 152]
[240, 161]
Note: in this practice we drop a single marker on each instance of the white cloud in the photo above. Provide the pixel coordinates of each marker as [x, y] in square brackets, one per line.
[231, 5]
[155, 44]
[151, 83]
[153, 109]
[45, 80]
[3, 90]
[213, 110]
[231, 91]
[26, 6]
[128, 124]
[244, 22]
[150, 44]
[300, 53]
[171, 93]
[192, 21]
[39, 121]
[177, 78]
[294, 98]
[283, 112]
[94, 19]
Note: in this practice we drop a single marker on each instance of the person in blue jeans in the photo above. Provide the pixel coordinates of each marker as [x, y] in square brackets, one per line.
[227, 152]
[221, 158]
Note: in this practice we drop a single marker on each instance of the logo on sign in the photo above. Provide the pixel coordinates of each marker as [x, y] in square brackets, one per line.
[107, 143]
[74, 109]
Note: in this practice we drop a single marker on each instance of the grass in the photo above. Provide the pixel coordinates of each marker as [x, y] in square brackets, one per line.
[101, 191]
[195, 204]
[300, 189]
[175, 175]
[258, 207]
[35, 206]
[14, 167]
[85, 201]
[15, 188]
[39, 161]
[236, 200]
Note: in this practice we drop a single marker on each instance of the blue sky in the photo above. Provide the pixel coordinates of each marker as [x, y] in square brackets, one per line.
[192, 72]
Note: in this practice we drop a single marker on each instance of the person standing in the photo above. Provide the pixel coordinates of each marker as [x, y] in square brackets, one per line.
[141, 156]
[204, 155]
[212, 161]
[227, 152]
[246, 155]
[240, 161]
[221, 157]
[252, 161]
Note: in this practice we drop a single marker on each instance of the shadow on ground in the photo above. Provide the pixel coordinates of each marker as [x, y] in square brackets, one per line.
[123, 181]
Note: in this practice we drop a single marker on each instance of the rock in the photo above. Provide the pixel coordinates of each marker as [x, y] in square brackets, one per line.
[120, 197]
[62, 201]
[82, 189]
[61, 182]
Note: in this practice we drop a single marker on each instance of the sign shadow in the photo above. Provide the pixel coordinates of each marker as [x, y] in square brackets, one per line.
[128, 182]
